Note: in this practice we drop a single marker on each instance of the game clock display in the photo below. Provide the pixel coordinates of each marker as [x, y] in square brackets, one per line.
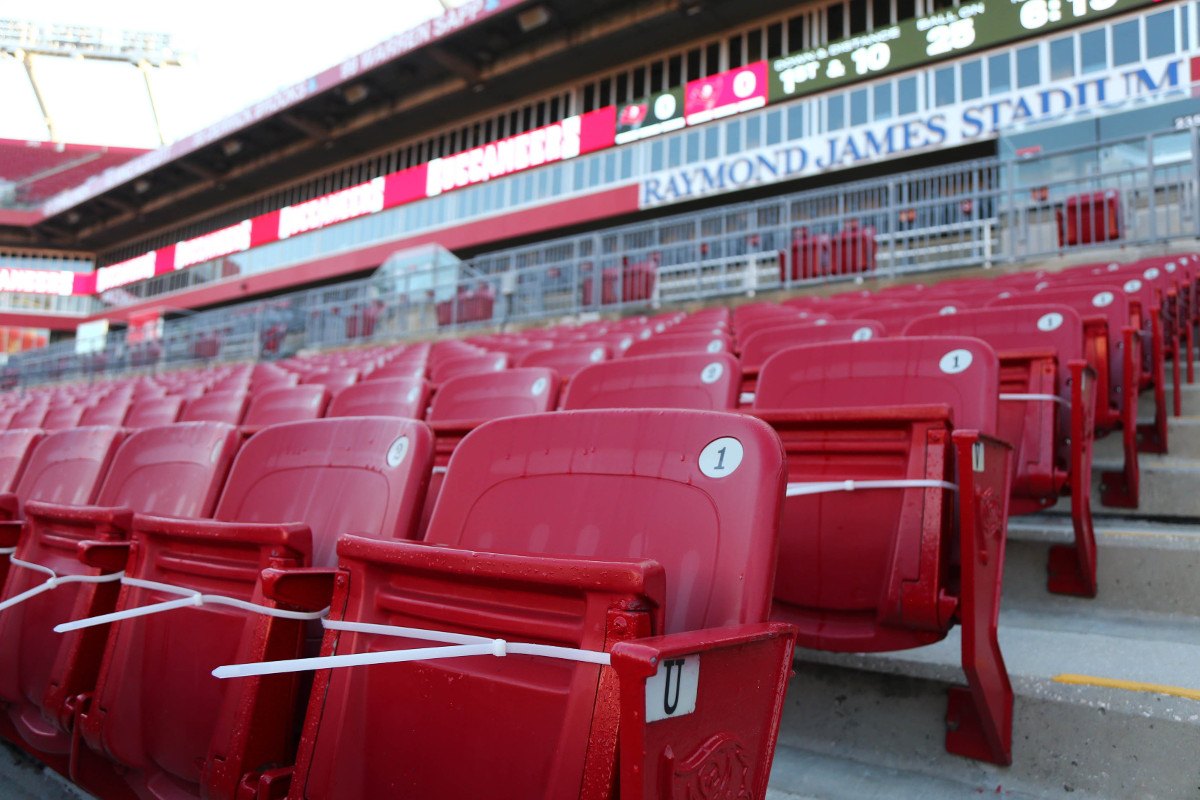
[914, 42]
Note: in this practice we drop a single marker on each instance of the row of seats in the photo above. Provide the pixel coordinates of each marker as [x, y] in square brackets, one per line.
[857, 502]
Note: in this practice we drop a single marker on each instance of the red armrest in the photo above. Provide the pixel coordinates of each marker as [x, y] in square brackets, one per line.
[301, 589]
[104, 556]
[690, 710]
[10, 506]
[102, 519]
[288, 534]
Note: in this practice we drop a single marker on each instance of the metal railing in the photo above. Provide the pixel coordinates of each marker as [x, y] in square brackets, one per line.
[1137, 191]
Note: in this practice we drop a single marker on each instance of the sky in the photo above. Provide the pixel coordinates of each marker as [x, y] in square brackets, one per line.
[240, 52]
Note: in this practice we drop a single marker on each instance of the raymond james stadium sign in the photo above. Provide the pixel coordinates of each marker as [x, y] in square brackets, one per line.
[948, 126]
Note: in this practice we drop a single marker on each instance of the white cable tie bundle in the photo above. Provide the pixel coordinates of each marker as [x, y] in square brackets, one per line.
[825, 487]
[189, 597]
[1034, 397]
[52, 582]
[460, 645]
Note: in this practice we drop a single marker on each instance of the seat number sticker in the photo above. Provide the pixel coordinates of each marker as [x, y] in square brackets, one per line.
[671, 691]
[397, 452]
[721, 457]
[712, 373]
[956, 361]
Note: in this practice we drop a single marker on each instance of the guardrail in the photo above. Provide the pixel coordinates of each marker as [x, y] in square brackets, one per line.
[1145, 190]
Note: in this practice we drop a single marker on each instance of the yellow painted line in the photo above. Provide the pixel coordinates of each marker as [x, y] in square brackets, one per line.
[1129, 686]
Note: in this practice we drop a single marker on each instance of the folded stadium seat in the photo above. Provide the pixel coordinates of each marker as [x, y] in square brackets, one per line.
[228, 407]
[1145, 315]
[646, 535]
[680, 343]
[16, 446]
[287, 404]
[395, 397]
[64, 467]
[467, 365]
[403, 370]
[751, 327]
[60, 418]
[894, 473]
[1047, 404]
[762, 345]
[1175, 286]
[109, 411]
[152, 412]
[698, 381]
[30, 415]
[1113, 350]
[466, 402]
[157, 713]
[174, 470]
[893, 318]
[566, 359]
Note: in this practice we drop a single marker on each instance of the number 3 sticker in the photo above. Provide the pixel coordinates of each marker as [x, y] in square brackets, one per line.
[721, 457]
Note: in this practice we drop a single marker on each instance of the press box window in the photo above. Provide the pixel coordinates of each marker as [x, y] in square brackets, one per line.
[1160, 34]
[1029, 69]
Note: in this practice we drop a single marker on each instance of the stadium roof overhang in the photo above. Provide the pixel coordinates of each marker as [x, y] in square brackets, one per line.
[512, 49]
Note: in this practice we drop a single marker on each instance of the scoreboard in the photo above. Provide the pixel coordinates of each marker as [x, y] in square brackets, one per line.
[912, 43]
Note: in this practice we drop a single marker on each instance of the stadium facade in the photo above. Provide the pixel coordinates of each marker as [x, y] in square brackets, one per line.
[960, 128]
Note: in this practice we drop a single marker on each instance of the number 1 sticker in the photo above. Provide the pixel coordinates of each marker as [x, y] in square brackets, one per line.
[956, 361]
[721, 457]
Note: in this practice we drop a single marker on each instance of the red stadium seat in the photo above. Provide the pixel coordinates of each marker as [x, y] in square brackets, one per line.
[894, 565]
[109, 411]
[286, 404]
[60, 418]
[391, 397]
[176, 470]
[893, 318]
[665, 343]
[464, 403]
[227, 407]
[335, 380]
[31, 415]
[152, 412]
[16, 446]
[589, 530]
[1046, 413]
[1113, 350]
[468, 365]
[566, 360]
[699, 381]
[760, 346]
[157, 713]
[65, 468]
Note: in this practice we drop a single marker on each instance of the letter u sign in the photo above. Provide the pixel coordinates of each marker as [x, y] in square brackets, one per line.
[671, 691]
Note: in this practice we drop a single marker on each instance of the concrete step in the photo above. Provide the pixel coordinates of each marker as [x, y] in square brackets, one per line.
[1183, 439]
[1189, 393]
[1144, 569]
[1170, 488]
[22, 778]
[1130, 729]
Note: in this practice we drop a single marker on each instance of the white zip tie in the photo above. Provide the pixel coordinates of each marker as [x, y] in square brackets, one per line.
[466, 645]
[190, 597]
[823, 487]
[439, 470]
[746, 397]
[53, 582]
[7, 551]
[1038, 398]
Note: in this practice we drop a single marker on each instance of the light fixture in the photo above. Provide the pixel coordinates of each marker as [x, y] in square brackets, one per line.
[141, 186]
[533, 18]
[231, 148]
[355, 93]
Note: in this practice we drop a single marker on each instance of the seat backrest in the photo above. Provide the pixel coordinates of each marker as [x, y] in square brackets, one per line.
[153, 412]
[697, 491]
[62, 417]
[173, 470]
[467, 365]
[31, 415]
[893, 317]
[959, 372]
[287, 404]
[758, 347]
[216, 407]
[16, 446]
[345, 475]
[700, 381]
[335, 380]
[66, 467]
[566, 359]
[1099, 299]
[473, 398]
[109, 411]
[1011, 329]
[665, 343]
[390, 397]
[397, 370]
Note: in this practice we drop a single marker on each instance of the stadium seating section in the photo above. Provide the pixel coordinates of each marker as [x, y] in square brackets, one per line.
[39, 170]
[294, 579]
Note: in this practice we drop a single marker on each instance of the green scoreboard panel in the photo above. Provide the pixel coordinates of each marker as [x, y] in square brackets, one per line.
[911, 43]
